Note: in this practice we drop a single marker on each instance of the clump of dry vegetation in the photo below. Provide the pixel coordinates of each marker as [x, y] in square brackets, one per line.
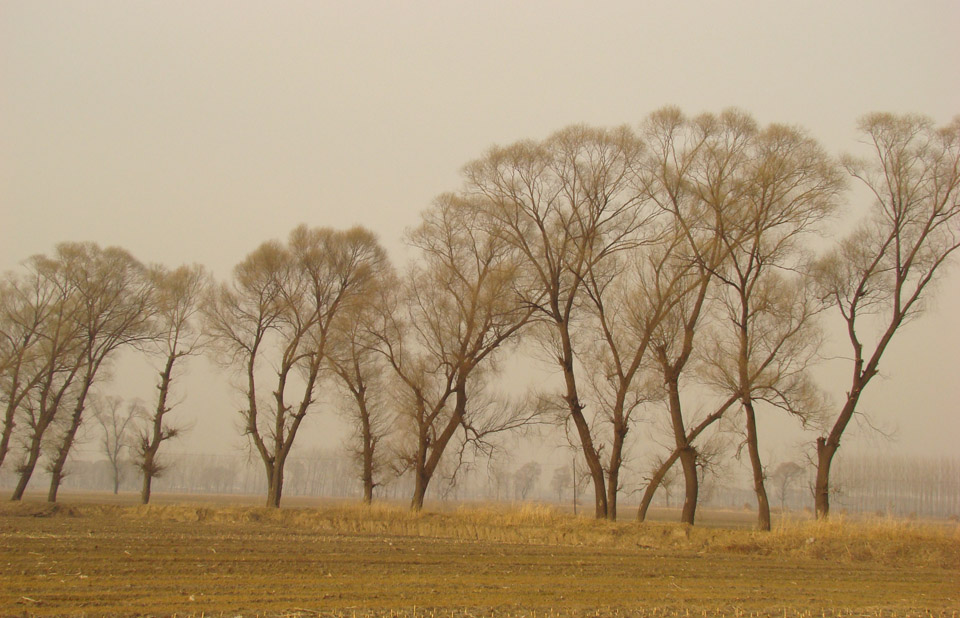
[886, 541]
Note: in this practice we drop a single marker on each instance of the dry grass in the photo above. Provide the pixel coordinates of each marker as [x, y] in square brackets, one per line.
[885, 541]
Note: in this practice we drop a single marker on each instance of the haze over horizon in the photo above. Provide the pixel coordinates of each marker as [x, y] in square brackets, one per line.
[193, 131]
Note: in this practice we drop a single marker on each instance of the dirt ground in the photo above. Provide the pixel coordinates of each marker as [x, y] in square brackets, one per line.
[113, 560]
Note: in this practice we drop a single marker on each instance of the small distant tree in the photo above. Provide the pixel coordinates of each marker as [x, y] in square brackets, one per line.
[783, 477]
[561, 480]
[117, 422]
[526, 478]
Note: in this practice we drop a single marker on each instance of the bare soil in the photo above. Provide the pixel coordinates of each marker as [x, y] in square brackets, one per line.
[106, 560]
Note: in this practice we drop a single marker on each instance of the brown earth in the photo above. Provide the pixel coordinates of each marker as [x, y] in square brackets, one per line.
[92, 560]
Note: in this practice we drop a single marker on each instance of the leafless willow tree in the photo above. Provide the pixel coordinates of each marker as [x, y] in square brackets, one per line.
[567, 205]
[178, 296]
[29, 306]
[694, 175]
[456, 309]
[761, 350]
[276, 316]
[49, 309]
[115, 307]
[364, 375]
[94, 302]
[878, 277]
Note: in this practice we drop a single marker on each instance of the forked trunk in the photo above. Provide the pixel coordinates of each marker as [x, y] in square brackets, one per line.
[686, 452]
[654, 484]
[583, 428]
[613, 473]
[419, 492]
[275, 485]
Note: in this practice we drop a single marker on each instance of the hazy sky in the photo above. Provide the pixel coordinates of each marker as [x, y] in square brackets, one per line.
[191, 131]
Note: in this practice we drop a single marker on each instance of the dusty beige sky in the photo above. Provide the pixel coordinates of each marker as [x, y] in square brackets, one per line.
[192, 131]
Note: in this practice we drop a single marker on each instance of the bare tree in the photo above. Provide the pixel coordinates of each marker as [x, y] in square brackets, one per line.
[567, 205]
[115, 301]
[456, 311]
[97, 302]
[29, 304]
[526, 478]
[362, 373]
[561, 480]
[877, 277]
[280, 310]
[178, 297]
[117, 421]
[56, 366]
[694, 175]
[761, 351]
[783, 477]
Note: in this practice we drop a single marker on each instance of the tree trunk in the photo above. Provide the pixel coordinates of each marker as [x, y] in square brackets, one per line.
[686, 452]
[419, 491]
[147, 465]
[821, 489]
[56, 471]
[369, 444]
[274, 484]
[654, 484]
[661, 472]
[26, 471]
[583, 429]
[763, 504]
[145, 490]
[426, 469]
[613, 472]
[8, 425]
[688, 460]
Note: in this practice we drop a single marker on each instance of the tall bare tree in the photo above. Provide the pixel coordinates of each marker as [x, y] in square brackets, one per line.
[178, 296]
[878, 277]
[567, 205]
[57, 364]
[694, 175]
[363, 374]
[458, 307]
[115, 307]
[29, 304]
[280, 309]
[761, 350]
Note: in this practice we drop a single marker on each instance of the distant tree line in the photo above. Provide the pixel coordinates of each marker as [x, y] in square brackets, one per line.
[644, 267]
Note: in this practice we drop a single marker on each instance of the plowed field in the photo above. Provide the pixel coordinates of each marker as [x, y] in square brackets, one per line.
[86, 561]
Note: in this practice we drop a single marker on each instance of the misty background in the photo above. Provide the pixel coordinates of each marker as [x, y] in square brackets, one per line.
[190, 132]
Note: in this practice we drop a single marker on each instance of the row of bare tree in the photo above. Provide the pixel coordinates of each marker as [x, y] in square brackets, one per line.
[633, 262]
[64, 320]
